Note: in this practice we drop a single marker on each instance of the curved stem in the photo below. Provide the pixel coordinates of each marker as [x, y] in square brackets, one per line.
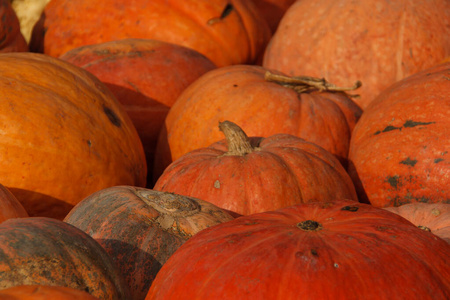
[237, 140]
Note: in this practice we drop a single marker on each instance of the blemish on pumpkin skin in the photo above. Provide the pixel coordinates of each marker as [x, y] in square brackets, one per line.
[407, 124]
[393, 181]
[112, 116]
[409, 162]
[438, 160]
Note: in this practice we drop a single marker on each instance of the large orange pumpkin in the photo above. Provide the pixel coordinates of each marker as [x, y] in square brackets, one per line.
[44, 292]
[377, 42]
[226, 31]
[263, 104]
[341, 250]
[400, 148]
[63, 135]
[11, 39]
[10, 207]
[248, 176]
[146, 76]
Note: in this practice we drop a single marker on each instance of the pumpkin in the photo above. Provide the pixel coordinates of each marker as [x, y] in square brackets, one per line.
[434, 217]
[46, 251]
[63, 135]
[399, 150]
[165, 70]
[376, 42]
[273, 10]
[263, 103]
[141, 228]
[10, 207]
[225, 31]
[247, 176]
[322, 250]
[44, 292]
[11, 39]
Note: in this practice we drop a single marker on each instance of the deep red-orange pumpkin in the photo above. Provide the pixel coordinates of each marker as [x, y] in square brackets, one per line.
[11, 39]
[44, 292]
[63, 135]
[377, 42]
[10, 207]
[253, 175]
[146, 76]
[226, 31]
[329, 250]
[260, 102]
[46, 251]
[141, 228]
[400, 148]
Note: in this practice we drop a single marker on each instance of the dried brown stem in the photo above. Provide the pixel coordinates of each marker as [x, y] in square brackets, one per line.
[237, 140]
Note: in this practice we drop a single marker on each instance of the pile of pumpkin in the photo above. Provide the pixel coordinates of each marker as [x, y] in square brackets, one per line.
[224, 149]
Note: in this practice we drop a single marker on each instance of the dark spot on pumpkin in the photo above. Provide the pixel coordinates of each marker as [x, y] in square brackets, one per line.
[425, 228]
[227, 11]
[309, 225]
[350, 208]
[398, 201]
[112, 116]
[235, 85]
[411, 123]
[89, 143]
[251, 223]
[388, 128]
[382, 228]
[409, 162]
[314, 252]
[438, 160]
[393, 181]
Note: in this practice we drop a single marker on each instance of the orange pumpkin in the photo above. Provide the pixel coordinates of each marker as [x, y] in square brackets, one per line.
[226, 31]
[44, 292]
[10, 207]
[11, 39]
[263, 104]
[400, 148]
[377, 42]
[165, 70]
[63, 135]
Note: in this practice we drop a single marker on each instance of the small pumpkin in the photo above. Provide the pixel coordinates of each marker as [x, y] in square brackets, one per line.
[340, 249]
[11, 39]
[10, 207]
[46, 251]
[44, 292]
[249, 175]
[141, 228]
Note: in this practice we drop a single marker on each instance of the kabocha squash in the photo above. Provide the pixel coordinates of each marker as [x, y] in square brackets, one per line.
[141, 228]
[249, 175]
[11, 39]
[377, 42]
[226, 31]
[44, 292]
[146, 76]
[332, 250]
[399, 150]
[46, 251]
[263, 103]
[434, 217]
[63, 135]
[10, 207]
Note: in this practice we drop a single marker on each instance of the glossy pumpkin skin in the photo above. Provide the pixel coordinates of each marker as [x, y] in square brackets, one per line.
[46, 251]
[344, 250]
[11, 39]
[63, 136]
[377, 42]
[141, 228]
[399, 150]
[434, 217]
[165, 70]
[10, 207]
[278, 171]
[44, 292]
[226, 31]
[241, 94]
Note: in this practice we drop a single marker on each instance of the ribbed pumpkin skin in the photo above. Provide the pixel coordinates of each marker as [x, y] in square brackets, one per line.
[240, 94]
[141, 228]
[63, 135]
[399, 150]
[284, 170]
[146, 76]
[44, 292]
[428, 216]
[10, 207]
[226, 31]
[46, 251]
[11, 39]
[361, 252]
[377, 42]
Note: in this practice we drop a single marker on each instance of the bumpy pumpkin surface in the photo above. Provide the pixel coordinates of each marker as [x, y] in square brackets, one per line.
[247, 176]
[260, 102]
[63, 135]
[226, 31]
[399, 150]
[46, 251]
[44, 292]
[11, 39]
[377, 42]
[333, 250]
[10, 207]
[146, 76]
[141, 228]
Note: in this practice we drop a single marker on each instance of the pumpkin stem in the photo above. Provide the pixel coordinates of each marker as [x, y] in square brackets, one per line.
[302, 84]
[237, 140]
